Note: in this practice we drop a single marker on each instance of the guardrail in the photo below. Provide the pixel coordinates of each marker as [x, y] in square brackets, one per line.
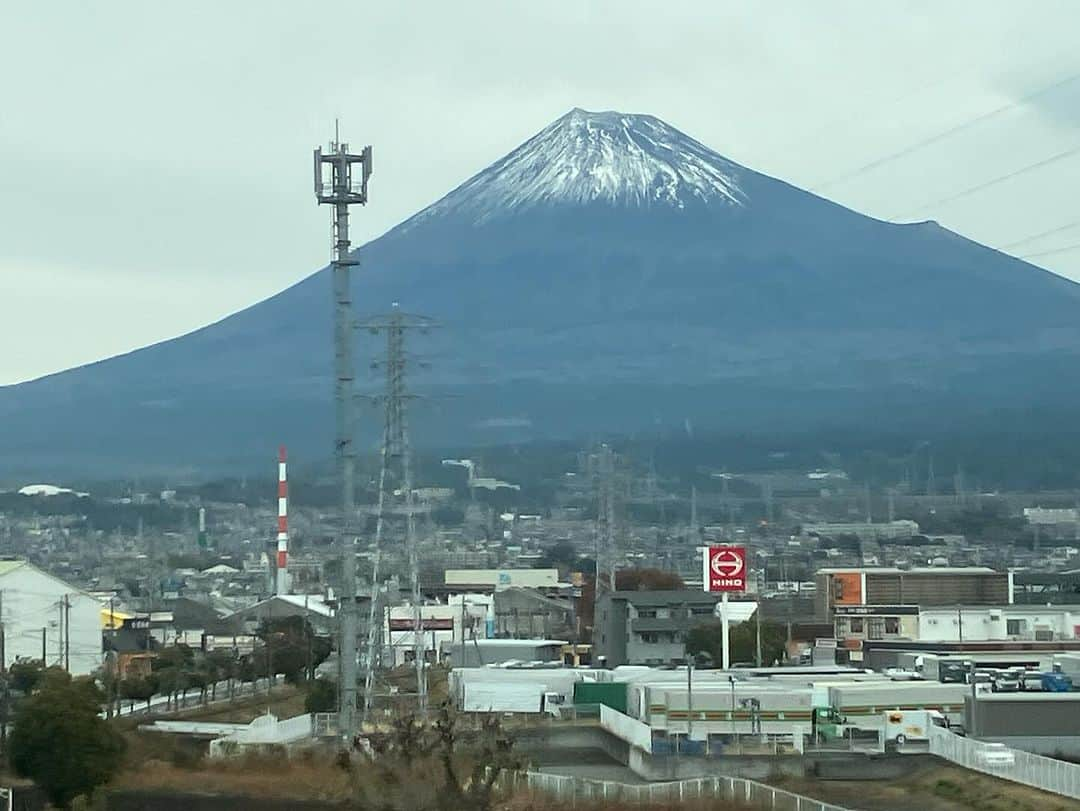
[735, 789]
[1048, 774]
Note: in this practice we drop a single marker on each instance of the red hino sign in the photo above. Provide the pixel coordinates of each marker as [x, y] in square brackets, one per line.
[725, 568]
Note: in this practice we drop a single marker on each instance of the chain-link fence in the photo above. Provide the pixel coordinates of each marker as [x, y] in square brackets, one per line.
[1048, 774]
[577, 789]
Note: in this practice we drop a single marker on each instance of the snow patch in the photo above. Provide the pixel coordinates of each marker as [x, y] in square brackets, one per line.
[584, 157]
[48, 490]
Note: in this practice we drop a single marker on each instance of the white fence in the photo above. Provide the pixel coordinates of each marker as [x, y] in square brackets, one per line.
[1048, 774]
[736, 789]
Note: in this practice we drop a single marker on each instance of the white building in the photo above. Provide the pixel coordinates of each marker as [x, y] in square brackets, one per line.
[442, 624]
[496, 579]
[992, 624]
[41, 611]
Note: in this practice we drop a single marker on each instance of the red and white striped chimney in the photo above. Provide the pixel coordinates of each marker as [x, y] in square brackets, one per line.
[282, 526]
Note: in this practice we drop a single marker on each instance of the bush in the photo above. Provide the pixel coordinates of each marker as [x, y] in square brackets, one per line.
[321, 696]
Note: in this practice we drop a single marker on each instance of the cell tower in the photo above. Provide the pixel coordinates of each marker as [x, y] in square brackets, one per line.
[396, 503]
[341, 179]
[282, 582]
[604, 529]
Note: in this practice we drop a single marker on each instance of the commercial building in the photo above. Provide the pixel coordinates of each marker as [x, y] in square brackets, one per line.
[44, 614]
[464, 618]
[938, 586]
[649, 627]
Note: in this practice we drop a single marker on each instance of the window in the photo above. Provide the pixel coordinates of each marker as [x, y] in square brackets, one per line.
[1015, 627]
[856, 625]
[876, 627]
[702, 611]
[647, 613]
[892, 625]
[843, 627]
[649, 638]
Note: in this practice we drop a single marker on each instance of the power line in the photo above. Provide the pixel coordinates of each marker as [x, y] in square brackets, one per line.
[933, 139]
[1068, 153]
[1062, 249]
[1040, 235]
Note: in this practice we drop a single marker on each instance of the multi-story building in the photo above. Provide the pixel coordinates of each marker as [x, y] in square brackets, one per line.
[649, 627]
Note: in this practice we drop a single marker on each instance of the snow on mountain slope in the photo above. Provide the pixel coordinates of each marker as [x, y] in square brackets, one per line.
[618, 158]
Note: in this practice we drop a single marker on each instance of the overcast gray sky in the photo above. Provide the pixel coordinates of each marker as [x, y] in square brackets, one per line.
[155, 158]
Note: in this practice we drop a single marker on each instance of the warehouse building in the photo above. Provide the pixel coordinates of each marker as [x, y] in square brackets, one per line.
[40, 613]
[1043, 723]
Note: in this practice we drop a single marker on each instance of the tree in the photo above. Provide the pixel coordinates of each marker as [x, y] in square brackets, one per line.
[708, 638]
[226, 665]
[25, 675]
[290, 646]
[60, 742]
[321, 696]
[436, 767]
[562, 556]
[138, 689]
[647, 580]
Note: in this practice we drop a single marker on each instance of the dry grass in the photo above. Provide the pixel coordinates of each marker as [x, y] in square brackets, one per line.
[300, 778]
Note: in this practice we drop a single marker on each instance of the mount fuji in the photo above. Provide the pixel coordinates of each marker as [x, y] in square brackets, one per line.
[611, 274]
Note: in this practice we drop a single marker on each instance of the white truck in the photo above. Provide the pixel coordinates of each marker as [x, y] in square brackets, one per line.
[510, 698]
[903, 726]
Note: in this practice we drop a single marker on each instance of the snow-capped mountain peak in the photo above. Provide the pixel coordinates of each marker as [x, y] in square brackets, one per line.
[618, 158]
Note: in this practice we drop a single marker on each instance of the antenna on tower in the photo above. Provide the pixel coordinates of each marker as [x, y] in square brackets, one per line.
[341, 180]
[396, 502]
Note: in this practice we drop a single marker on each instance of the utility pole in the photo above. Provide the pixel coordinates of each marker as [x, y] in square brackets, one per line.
[4, 675]
[335, 184]
[757, 630]
[396, 502]
[67, 633]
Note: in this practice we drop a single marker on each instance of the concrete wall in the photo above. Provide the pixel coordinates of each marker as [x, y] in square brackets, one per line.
[609, 635]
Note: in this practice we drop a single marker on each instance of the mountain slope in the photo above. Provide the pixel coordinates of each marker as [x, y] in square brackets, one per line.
[613, 274]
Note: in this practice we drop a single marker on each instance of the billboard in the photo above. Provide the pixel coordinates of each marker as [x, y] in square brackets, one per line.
[847, 588]
[725, 569]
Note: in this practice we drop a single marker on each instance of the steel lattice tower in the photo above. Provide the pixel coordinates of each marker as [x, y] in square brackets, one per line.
[341, 180]
[396, 503]
[604, 529]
